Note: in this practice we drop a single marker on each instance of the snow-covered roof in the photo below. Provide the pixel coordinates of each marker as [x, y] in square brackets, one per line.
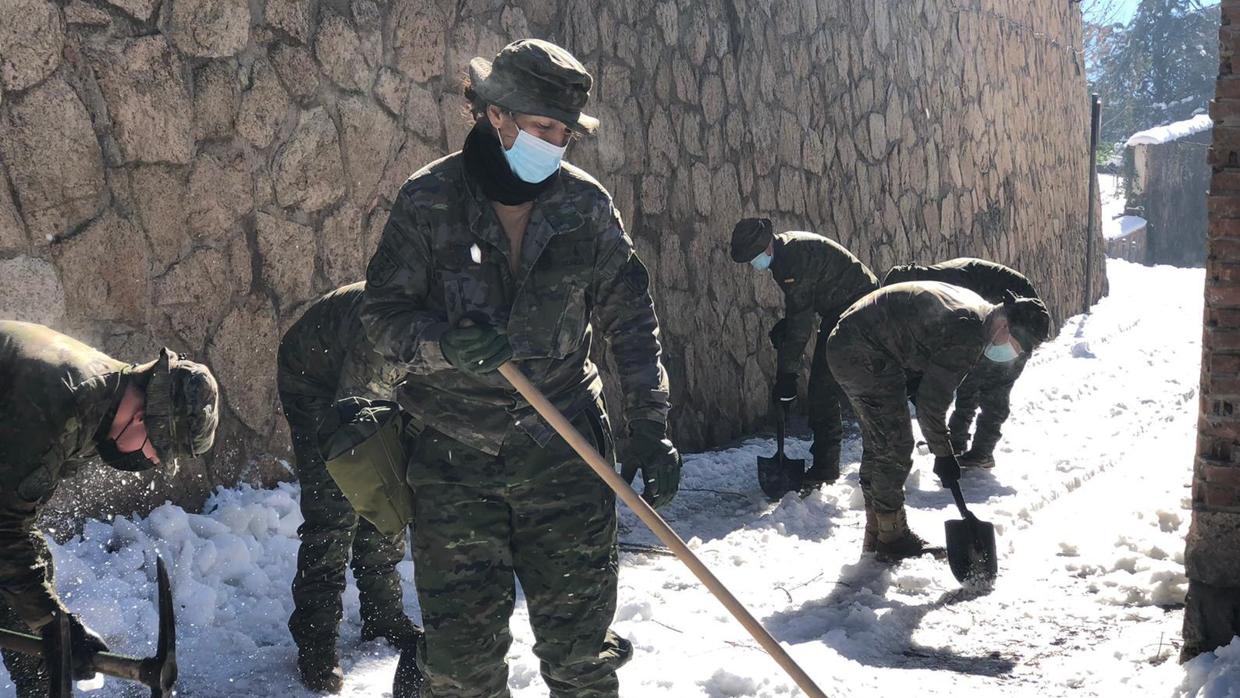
[1171, 132]
[1122, 227]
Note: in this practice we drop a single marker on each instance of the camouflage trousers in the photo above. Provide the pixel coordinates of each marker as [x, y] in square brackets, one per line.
[26, 671]
[537, 515]
[989, 387]
[330, 530]
[824, 396]
[875, 386]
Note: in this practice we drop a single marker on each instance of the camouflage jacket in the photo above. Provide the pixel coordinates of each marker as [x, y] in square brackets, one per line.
[325, 354]
[818, 277]
[928, 328]
[58, 393]
[443, 258]
[985, 278]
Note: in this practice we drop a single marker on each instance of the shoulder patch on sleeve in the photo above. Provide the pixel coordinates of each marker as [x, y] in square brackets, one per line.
[381, 269]
[635, 275]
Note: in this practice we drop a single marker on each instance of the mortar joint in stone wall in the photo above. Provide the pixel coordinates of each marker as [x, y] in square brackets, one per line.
[1014, 24]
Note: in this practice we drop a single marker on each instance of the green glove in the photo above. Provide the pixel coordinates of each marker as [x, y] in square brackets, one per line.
[476, 350]
[653, 453]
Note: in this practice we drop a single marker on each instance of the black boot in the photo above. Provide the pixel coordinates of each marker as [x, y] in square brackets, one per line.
[959, 443]
[409, 679]
[826, 467]
[399, 632]
[319, 667]
[975, 458]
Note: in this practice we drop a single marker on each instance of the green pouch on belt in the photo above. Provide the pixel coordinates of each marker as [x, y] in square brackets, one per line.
[361, 444]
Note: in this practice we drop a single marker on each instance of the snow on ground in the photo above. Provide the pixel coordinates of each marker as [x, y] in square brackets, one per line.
[1114, 223]
[1089, 499]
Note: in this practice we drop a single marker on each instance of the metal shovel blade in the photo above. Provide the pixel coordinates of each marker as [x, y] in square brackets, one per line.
[971, 550]
[779, 475]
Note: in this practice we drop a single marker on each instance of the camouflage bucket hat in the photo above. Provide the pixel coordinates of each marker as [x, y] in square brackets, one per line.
[182, 408]
[532, 76]
[1028, 320]
[750, 237]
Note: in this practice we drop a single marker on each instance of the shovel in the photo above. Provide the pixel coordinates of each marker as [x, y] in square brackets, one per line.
[971, 545]
[780, 474]
[159, 673]
[605, 470]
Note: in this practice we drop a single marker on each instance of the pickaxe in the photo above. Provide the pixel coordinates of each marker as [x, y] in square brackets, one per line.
[158, 672]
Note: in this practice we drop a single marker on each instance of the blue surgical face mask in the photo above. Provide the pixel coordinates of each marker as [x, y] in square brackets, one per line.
[762, 262]
[532, 159]
[1002, 353]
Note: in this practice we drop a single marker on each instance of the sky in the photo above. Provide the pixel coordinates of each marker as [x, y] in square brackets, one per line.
[1122, 9]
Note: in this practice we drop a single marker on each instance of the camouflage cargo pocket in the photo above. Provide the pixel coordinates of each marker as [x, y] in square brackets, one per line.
[362, 448]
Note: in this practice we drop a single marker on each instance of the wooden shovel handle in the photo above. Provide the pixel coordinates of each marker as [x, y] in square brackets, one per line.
[651, 518]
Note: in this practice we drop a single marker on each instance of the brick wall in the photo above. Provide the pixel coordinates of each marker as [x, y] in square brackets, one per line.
[1212, 557]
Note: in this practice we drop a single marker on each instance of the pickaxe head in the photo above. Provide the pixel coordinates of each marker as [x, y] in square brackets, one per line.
[160, 672]
[56, 648]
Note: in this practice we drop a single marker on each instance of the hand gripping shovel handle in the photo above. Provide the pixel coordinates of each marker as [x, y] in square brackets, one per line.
[656, 524]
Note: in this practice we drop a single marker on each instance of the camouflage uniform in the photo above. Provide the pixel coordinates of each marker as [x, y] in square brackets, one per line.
[930, 328]
[42, 443]
[818, 277]
[497, 492]
[989, 384]
[325, 355]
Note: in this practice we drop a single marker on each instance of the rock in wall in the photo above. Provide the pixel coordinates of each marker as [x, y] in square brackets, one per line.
[191, 173]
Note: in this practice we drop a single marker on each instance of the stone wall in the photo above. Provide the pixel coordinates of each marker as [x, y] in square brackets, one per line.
[192, 172]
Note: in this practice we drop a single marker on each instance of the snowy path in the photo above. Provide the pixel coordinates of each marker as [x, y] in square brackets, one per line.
[1111, 403]
[1089, 499]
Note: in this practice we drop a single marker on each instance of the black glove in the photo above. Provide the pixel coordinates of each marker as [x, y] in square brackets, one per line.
[653, 453]
[947, 469]
[785, 389]
[83, 643]
[778, 331]
[476, 349]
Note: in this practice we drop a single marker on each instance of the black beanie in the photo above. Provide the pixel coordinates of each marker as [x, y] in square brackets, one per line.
[750, 237]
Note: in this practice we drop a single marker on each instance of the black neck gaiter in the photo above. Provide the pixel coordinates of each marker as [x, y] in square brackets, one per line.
[486, 165]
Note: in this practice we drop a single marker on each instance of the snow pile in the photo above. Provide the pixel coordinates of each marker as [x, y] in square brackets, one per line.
[231, 569]
[1171, 132]
[1213, 674]
[1088, 499]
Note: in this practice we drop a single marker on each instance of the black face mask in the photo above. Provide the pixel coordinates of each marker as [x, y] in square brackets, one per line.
[486, 165]
[133, 462]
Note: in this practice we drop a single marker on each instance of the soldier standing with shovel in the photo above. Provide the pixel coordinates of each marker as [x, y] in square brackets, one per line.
[502, 251]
